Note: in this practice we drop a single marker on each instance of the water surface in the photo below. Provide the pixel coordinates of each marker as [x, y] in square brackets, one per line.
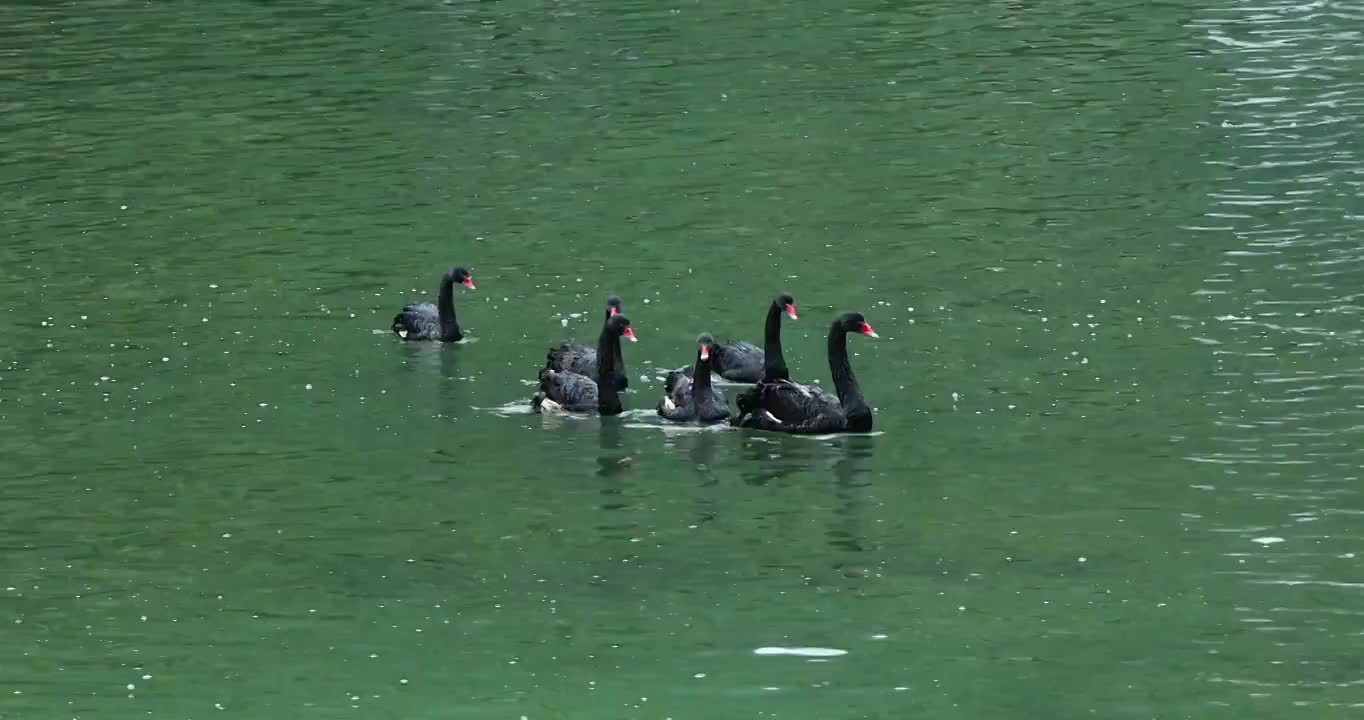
[1112, 252]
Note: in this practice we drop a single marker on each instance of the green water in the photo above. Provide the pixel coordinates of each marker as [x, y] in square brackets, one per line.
[1113, 252]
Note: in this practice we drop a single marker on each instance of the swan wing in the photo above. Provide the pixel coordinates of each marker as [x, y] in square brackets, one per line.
[570, 390]
[789, 407]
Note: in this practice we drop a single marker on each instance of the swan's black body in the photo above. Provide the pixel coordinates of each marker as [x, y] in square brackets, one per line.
[742, 361]
[694, 398]
[575, 392]
[424, 321]
[571, 356]
[784, 406]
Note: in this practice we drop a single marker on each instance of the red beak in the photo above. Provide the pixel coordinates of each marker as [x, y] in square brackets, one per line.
[469, 283]
[614, 311]
[866, 330]
[791, 312]
[705, 352]
[630, 333]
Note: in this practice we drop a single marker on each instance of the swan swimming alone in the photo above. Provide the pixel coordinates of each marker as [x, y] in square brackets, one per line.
[424, 321]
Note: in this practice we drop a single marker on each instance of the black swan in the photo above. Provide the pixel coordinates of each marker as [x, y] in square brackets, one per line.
[576, 357]
[573, 392]
[784, 406]
[424, 321]
[694, 398]
[742, 361]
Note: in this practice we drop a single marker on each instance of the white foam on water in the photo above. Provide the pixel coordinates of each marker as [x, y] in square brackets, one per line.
[519, 407]
[833, 436]
[819, 652]
[671, 428]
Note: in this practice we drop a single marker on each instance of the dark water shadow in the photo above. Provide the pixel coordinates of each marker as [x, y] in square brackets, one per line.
[770, 457]
[614, 464]
[702, 457]
[451, 395]
[850, 483]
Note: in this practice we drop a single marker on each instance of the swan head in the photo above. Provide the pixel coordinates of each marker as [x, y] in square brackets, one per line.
[461, 276]
[620, 325]
[787, 303]
[614, 306]
[705, 345]
[856, 322]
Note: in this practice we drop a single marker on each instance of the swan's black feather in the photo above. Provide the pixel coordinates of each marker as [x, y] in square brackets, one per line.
[789, 407]
[418, 321]
[571, 391]
[738, 361]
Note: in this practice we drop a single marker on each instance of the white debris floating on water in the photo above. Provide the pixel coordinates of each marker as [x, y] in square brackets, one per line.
[801, 651]
[1267, 540]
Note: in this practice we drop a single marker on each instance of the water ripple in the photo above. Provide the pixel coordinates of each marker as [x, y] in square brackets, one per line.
[1281, 323]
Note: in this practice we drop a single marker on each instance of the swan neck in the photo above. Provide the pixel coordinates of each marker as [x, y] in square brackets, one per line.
[774, 363]
[608, 350]
[700, 376]
[845, 382]
[445, 309]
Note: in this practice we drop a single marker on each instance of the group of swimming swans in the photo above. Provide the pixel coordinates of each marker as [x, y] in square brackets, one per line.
[577, 378]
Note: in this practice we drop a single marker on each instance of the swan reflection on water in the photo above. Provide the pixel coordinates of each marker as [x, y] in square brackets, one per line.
[614, 468]
[611, 461]
[425, 321]
[850, 481]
